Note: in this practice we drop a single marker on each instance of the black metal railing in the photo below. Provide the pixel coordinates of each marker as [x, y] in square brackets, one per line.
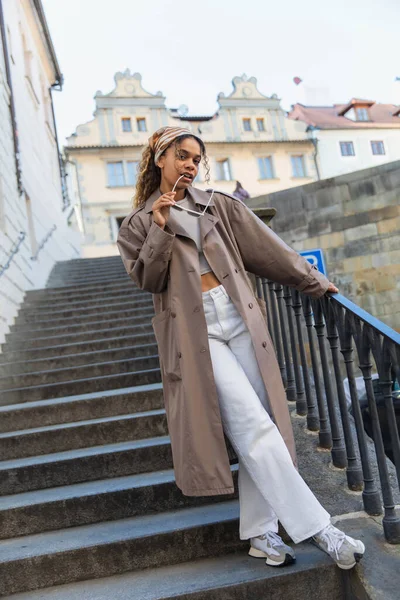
[316, 342]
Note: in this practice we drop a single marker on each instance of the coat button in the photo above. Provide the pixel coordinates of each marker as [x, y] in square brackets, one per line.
[264, 344]
[203, 349]
[173, 315]
[196, 309]
[179, 354]
[236, 270]
[250, 305]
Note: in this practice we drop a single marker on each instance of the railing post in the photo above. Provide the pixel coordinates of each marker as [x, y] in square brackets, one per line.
[268, 303]
[370, 494]
[290, 383]
[312, 415]
[338, 450]
[324, 436]
[301, 406]
[353, 471]
[278, 341]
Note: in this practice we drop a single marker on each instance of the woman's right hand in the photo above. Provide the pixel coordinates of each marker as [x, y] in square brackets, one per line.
[161, 208]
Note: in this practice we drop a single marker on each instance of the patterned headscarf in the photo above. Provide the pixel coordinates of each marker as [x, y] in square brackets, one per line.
[162, 138]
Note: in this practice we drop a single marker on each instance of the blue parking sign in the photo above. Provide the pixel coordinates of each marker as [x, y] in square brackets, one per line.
[315, 257]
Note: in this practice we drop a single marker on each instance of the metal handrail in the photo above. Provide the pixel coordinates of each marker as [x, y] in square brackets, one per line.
[334, 328]
[14, 250]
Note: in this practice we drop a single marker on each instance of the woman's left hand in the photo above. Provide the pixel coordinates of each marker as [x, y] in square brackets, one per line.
[332, 288]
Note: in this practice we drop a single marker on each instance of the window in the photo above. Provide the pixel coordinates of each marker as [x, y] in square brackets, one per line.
[27, 59]
[122, 173]
[131, 171]
[141, 124]
[224, 170]
[126, 124]
[247, 124]
[347, 148]
[378, 148]
[260, 125]
[362, 114]
[298, 166]
[115, 171]
[265, 167]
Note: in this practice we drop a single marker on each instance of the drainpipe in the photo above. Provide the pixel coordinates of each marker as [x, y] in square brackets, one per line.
[311, 129]
[12, 105]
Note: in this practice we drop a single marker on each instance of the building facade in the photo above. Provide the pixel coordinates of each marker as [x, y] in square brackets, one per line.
[249, 139]
[34, 204]
[353, 136]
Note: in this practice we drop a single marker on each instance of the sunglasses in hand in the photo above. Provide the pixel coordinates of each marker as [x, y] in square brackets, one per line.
[192, 212]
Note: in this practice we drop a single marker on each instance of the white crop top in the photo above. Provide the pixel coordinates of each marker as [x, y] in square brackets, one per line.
[190, 226]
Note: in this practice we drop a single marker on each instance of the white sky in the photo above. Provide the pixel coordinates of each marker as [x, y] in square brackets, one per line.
[192, 50]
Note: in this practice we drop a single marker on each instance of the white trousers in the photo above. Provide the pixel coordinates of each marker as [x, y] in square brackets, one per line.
[270, 487]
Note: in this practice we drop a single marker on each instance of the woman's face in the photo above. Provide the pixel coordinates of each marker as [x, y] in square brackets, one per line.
[183, 159]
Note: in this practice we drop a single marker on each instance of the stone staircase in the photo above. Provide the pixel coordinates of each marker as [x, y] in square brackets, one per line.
[89, 508]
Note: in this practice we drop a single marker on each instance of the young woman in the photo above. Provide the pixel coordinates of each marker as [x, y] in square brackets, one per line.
[191, 249]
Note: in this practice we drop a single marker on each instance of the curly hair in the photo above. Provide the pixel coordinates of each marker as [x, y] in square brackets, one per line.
[149, 175]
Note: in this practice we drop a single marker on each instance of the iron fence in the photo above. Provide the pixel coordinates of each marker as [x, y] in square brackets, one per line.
[316, 343]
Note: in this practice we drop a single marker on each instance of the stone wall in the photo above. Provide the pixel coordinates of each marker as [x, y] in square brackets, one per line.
[355, 219]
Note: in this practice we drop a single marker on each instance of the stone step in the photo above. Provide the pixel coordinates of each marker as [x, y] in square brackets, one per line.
[84, 464]
[77, 300]
[234, 576]
[67, 290]
[88, 385]
[69, 276]
[86, 358]
[81, 407]
[78, 280]
[61, 284]
[96, 501]
[71, 323]
[82, 434]
[86, 268]
[95, 261]
[78, 336]
[39, 314]
[87, 370]
[88, 552]
[134, 316]
[103, 343]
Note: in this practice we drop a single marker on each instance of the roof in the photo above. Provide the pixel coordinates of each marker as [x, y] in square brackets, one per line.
[334, 117]
[59, 79]
[193, 118]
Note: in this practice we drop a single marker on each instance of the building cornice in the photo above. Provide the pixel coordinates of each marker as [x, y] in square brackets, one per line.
[69, 149]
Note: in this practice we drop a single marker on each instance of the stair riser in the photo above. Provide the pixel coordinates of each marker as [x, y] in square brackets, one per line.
[113, 558]
[88, 468]
[116, 504]
[84, 436]
[93, 325]
[43, 315]
[80, 410]
[68, 349]
[77, 359]
[84, 386]
[85, 299]
[80, 303]
[70, 324]
[82, 280]
[65, 292]
[73, 338]
[71, 270]
[80, 372]
[62, 284]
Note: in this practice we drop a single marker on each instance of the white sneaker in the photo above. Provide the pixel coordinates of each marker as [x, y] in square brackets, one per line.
[344, 550]
[273, 548]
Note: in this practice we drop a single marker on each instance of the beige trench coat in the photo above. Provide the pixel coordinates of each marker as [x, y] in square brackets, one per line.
[167, 264]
